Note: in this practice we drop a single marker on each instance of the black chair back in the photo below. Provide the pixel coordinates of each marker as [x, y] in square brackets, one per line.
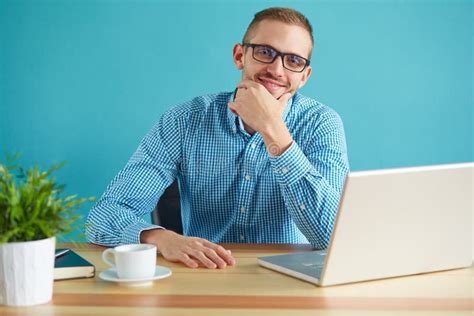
[167, 212]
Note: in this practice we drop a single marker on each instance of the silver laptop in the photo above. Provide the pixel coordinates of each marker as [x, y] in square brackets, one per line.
[392, 223]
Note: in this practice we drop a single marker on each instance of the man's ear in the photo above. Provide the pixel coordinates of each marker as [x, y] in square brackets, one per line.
[238, 56]
[306, 74]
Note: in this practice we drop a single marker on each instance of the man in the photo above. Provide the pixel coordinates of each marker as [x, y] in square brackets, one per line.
[261, 164]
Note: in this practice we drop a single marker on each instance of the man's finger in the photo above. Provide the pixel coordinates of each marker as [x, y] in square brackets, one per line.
[242, 86]
[246, 83]
[232, 108]
[199, 255]
[284, 98]
[211, 254]
[222, 252]
[184, 258]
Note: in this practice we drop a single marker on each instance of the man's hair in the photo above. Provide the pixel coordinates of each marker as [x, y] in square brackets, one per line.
[285, 15]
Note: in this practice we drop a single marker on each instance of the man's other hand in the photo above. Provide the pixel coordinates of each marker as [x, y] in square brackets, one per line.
[191, 251]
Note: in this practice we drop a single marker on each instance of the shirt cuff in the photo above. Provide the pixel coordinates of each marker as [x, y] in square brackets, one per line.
[290, 166]
[131, 234]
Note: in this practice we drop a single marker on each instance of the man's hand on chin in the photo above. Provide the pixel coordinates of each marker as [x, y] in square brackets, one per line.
[262, 112]
[257, 107]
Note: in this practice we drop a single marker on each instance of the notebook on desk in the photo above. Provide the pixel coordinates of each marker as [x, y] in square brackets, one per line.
[70, 265]
[392, 223]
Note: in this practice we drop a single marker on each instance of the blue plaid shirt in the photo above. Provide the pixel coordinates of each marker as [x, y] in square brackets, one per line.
[231, 189]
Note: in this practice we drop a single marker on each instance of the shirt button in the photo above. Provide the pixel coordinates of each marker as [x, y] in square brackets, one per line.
[253, 146]
[302, 206]
[284, 170]
[247, 177]
[242, 209]
[313, 172]
[241, 237]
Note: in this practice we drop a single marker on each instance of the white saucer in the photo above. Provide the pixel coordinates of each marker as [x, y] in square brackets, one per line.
[111, 275]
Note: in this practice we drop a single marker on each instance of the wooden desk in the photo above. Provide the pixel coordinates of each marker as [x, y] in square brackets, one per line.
[248, 289]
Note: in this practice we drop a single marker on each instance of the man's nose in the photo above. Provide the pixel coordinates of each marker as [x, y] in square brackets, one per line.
[276, 67]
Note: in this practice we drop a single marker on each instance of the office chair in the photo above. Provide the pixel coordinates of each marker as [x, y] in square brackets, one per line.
[167, 212]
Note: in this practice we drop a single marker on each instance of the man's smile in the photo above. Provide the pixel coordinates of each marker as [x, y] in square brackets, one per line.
[272, 86]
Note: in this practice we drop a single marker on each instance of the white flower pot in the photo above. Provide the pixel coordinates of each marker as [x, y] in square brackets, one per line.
[26, 272]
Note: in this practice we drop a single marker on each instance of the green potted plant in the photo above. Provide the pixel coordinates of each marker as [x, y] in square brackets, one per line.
[32, 213]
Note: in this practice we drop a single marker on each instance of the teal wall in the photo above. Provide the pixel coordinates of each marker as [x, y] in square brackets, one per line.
[83, 81]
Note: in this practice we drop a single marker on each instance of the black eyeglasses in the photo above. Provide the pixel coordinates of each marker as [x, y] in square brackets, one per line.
[267, 55]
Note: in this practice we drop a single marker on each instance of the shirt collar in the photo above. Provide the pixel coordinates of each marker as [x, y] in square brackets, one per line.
[234, 119]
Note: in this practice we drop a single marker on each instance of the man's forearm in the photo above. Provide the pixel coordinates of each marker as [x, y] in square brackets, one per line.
[277, 138]
[310, 198]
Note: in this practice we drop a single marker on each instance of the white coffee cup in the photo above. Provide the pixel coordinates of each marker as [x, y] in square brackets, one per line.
[135, 261]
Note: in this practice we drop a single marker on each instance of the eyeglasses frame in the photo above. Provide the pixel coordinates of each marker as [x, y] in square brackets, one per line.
[278, 54]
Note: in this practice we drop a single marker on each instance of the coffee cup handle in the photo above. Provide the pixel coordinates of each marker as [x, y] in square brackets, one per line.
[105, 256]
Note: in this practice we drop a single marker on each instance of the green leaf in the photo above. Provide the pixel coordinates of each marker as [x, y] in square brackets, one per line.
[31, 206]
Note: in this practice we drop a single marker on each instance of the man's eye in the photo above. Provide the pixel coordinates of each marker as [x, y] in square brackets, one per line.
[265, 51]
[295, 60]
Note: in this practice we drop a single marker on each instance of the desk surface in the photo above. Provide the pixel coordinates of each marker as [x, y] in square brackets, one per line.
[250, 289]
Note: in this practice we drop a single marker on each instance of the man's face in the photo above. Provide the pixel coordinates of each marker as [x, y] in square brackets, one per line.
[274, 77]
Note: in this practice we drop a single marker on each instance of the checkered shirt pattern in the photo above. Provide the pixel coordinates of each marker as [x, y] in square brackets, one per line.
[232, 190]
